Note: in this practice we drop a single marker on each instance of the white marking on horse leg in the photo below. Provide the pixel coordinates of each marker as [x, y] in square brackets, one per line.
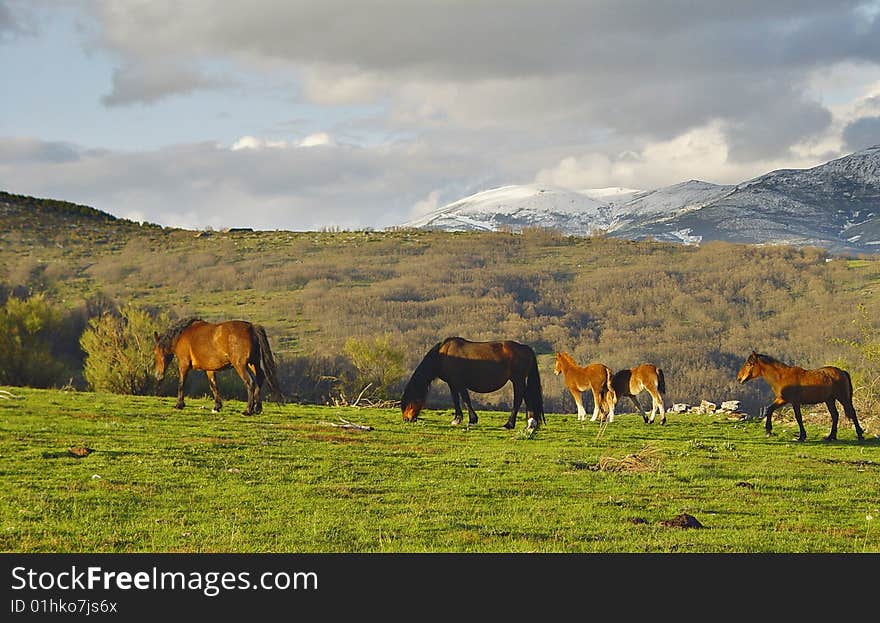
[532, 423]
[595, 413]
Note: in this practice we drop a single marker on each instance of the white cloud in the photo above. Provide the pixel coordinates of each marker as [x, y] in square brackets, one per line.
[426, 205]
[316, 139]
[252, 142]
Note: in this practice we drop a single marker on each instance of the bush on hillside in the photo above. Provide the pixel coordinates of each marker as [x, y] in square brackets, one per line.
[379, 365]
[28, 328]
[119, 351]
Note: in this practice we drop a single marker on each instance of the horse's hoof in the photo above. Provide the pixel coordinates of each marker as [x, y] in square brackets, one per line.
[178, 406]
[455, 422]
[472, 422]
[532, 423]
[215, 410]
[828, 438]
[508, 425]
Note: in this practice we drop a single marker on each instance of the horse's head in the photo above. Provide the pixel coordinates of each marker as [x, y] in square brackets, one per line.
[413, 399]
[411, 410]
[557, 367]
[163, 356]
[750, 369]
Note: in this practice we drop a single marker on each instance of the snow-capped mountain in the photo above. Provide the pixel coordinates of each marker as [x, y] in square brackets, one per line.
[835, 205]
[517, 207]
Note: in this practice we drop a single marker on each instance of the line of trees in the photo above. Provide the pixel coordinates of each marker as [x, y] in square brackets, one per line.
[107, 347]
[352, 310]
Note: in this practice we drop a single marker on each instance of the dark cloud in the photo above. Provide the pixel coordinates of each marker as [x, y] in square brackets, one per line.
[651, 69]
[147, 83]
[201, 184]
[862, 133]
[478, 94]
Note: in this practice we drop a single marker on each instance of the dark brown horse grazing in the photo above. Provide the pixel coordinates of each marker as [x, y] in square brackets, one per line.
[796, 386]
[593, 376]
[482, 367]
[647, 377]
[200, 345]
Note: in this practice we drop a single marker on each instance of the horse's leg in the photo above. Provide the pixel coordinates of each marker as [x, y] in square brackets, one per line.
[456, 402]
[608, 407]
[182, 371]
[835, 415]
[258, 387]
[518, 393]
[472, 415]
[800, 422]
[768, 413]
[657, 405]
[246, 376]
[578, 400]
[639, 409]
[609, 404]
[598, 408]
[850, 411]
[213, 383]
[662, 408]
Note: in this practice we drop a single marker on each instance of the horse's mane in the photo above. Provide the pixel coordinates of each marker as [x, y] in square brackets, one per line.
[420, 381]
[568, 358]
[766, 358]
[166, 340]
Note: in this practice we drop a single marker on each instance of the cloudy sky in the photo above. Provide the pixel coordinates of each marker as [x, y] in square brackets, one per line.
[304, 114]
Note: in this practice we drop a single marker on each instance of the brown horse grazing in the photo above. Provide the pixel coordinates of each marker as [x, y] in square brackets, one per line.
[796, 386]
[644, 377]
[482, 367]
[593, 376]
[200, 345]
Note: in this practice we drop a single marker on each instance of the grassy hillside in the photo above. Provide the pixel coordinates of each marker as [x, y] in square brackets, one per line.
[695, 311]
[87, 472]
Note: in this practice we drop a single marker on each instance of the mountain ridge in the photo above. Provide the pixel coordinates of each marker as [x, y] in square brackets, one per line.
[834, 205]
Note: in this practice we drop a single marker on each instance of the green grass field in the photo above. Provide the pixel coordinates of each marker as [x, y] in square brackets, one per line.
[156, 479]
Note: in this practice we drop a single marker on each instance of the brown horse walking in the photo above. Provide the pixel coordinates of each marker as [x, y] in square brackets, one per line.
[647, 377]
[200, 345]
[482, 367]
[796, 386]
[594, 376]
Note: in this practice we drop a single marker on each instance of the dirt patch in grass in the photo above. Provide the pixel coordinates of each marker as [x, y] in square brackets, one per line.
[682, 521]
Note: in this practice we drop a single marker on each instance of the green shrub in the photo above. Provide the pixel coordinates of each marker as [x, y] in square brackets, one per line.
[379, 364]
[119, 351]
[27, 331]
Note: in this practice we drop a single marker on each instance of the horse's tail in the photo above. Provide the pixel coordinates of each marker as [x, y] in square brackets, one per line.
[849, 386]
[267, 361]
[610, 394]
[534, 396]
[661, 382]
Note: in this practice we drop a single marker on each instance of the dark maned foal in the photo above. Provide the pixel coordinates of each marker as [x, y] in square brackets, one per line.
[630, 382]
